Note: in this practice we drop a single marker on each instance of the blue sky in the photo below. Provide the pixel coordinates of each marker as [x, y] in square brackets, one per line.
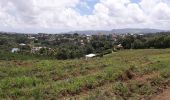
[135, 1]
[91, 3]
[84, 10]
[68, 15]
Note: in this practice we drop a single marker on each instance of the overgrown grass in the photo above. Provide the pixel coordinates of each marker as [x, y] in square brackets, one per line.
[54, 79]
[17, 56]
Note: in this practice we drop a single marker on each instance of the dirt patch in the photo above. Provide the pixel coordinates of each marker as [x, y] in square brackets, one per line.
[145, 78]
[130, 74]
[163, 91]
[127, 75]
[163, 96]
[21, 63]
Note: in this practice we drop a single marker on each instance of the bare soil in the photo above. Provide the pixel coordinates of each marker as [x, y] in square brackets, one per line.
[165, 95]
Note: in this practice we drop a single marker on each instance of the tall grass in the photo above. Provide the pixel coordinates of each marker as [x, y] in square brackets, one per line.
[34, 78]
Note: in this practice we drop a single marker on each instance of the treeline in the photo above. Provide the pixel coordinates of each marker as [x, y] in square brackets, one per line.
[157, 41]
[70, 46]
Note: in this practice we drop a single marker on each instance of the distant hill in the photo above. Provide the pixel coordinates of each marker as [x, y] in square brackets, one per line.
[91, 32]
[120, 31]
[136, 30]
[115, 31]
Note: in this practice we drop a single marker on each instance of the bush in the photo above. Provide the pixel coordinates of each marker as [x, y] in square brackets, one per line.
[18, 82]
[165, 73]
[156, 81]
[121, 89]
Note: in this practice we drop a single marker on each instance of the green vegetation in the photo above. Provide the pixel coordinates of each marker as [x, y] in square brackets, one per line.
[17, 56]
[159, 40]
[128, 74]
[73, 46]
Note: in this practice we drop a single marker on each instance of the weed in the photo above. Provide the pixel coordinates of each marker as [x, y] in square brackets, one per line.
[156, 81]
[121, 89]
[165, 73]
[34, 78]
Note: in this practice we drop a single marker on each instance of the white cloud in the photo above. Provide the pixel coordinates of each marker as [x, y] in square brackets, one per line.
[161, 12]
[54, 15]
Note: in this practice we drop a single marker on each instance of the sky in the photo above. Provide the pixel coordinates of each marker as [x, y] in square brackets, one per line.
[54, 16]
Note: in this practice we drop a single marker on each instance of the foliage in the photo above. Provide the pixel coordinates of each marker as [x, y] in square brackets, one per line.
[159, 40]
[34, 76]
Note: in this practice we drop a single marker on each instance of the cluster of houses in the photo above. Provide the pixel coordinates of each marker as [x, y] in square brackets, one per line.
[33, 49]
[13, 50]
[82, 39]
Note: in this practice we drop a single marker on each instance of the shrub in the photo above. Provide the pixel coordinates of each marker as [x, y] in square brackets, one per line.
[145, 89]
[155, 81]
[18, 82]
[165, 73]
[121, 89]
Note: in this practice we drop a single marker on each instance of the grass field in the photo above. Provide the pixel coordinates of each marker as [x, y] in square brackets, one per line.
[129, 74]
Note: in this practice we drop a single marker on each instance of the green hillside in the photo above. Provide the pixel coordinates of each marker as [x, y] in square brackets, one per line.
[128, 74]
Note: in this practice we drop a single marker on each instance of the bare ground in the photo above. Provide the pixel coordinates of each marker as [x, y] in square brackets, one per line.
[163, 96]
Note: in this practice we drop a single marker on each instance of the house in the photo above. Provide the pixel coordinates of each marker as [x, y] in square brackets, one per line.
[35, 49]
[22, 44]
[88, 37]
[82, 42]
[141, 34]
[119, 47]
[31, 38]
[15, 50]
[90, 56]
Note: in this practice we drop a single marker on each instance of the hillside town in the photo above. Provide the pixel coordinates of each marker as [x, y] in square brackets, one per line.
[69, 46]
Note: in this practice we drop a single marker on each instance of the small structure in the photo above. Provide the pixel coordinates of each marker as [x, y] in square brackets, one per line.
[88, 37]
[35, 49]
[31, 38]
[141, 34]
[90, 56]
[22, 44]
[118, 47]
[15, 50]
[82, 42]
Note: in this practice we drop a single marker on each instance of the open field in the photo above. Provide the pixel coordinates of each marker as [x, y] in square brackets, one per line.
[129, 74]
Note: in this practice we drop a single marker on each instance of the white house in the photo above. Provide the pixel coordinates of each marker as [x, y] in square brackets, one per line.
[31, 38]
[35, 49]
[90, 56]
[15, 50]
[22, 44]
[119, 47]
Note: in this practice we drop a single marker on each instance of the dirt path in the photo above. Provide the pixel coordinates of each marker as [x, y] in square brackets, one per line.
[163, 96]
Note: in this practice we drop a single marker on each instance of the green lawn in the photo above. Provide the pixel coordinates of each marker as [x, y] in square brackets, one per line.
[112, 76]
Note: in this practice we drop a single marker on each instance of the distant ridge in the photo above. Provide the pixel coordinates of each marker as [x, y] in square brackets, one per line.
[137, 30]
[113, 31]
[120, 31]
